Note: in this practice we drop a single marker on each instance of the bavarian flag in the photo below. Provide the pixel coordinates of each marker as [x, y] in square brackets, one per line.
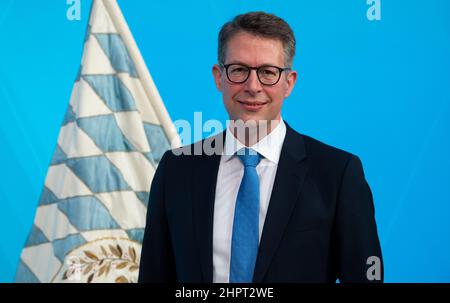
[90, 220]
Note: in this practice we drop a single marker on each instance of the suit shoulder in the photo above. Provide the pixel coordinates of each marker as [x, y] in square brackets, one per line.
[328, 162]
[315, 145]
[326, 154]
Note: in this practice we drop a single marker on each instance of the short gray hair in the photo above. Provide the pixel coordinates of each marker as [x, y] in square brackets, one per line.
[259, 24]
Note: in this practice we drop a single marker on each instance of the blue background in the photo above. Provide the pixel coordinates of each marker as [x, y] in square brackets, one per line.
[378, 89]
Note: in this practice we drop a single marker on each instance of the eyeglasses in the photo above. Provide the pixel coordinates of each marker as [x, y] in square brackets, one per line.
[267, 74]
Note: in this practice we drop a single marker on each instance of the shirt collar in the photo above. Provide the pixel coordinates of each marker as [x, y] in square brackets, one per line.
[269, 147]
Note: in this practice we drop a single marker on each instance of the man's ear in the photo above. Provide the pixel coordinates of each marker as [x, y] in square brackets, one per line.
[291, 78]
[217, 74]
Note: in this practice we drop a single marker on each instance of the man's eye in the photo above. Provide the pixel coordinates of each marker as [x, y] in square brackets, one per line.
[238, 70]
[268, 72]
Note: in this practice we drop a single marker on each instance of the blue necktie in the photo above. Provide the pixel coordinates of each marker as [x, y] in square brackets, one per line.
[245, 238]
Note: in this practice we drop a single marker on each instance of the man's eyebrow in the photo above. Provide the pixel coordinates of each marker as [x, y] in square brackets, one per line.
[242, 63]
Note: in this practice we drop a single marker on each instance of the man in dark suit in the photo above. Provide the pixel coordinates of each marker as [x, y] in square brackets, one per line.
[268, 204]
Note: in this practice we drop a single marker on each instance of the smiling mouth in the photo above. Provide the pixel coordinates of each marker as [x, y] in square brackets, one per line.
[252, 103]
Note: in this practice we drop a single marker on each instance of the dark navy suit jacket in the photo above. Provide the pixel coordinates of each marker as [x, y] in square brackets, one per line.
[319, 227]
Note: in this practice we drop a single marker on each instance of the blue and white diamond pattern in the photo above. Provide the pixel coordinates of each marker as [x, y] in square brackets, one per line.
[93, 205]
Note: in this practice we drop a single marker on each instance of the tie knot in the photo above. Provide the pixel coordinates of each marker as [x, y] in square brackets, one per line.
[249, 157]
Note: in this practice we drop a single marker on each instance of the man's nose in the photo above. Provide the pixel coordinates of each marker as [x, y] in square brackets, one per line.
[252, 84]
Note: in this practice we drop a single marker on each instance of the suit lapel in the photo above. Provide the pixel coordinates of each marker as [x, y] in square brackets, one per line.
[204, 173]
[290, 174]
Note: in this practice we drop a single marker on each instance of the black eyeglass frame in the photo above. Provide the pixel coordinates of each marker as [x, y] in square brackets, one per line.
[280, 69]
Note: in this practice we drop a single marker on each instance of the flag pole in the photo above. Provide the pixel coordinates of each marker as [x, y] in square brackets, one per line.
[147, 81]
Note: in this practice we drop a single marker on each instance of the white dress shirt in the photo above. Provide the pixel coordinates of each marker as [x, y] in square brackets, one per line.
[229, 179]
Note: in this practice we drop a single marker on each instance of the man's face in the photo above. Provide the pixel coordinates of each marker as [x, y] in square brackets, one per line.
[252, 100]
